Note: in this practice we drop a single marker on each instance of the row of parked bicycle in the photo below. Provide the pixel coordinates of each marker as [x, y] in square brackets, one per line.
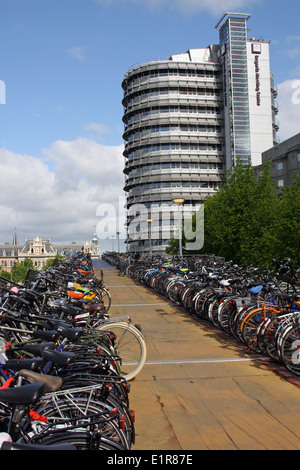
[63, 382]
[259, 308]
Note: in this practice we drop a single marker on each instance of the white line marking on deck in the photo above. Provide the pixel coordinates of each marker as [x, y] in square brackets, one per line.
[203, 361]
[134, 305]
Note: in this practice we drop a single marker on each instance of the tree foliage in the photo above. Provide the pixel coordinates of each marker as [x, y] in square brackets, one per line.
[19, 270]
[249, 222]
[5, 274]
[50, 261]
[173, 245]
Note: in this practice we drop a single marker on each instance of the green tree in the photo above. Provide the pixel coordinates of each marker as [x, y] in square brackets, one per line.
[19, 270]
[5, 274]
[241, 219]
[229, 214]
[50, 261]
[289, 222]
[173, 246]
[259, 245]
[249, 222]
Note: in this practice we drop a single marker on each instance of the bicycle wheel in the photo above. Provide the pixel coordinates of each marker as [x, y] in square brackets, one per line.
[130, 345]
[103, 295]
[225, 314]
[213, 310]
[238, 319]
[82, 441]
[250, 327]
[268, 336]
[79, 405]
[251, 324]
[290, 349]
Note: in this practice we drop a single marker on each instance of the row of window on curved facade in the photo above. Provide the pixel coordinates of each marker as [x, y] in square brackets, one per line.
[139, 114]
[184, 128]
[173, 165]
[141, 150]
[138, 74]
[143, 188]
[136, 97]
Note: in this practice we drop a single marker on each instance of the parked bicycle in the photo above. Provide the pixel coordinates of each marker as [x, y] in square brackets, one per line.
[56, 326]
[259, 308]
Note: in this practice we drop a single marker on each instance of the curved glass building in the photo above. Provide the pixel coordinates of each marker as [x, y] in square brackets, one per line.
[186, 120]
[174, 139]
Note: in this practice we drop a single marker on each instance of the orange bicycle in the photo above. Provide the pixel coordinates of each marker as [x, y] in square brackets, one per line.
[253, 321]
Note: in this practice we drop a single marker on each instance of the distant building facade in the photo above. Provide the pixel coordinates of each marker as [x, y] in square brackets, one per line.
[285, 161]
[40, 251]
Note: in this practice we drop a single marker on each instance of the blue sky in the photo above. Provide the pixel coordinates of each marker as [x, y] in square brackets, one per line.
[63, 61]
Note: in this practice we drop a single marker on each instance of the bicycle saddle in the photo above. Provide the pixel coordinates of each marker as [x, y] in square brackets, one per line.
[46, 335]
[37, 348]
[23, 395]
[18, 364]
[60, 358]
[71, 310]
[66, 330]
[52, 383]
[91, 308]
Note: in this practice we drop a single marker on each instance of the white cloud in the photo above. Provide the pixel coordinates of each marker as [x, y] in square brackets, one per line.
[78, 52]
[97, 128]
[293, 39]
[217, 7]
[293, 50]
[289, 108]
[58, 198]
[86, 160]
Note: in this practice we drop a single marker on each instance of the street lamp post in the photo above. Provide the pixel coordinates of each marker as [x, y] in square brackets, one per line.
[112, 239]
[179, 202]
[118, 237]
[149, 236]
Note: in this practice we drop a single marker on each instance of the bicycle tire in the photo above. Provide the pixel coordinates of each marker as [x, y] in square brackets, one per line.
[249, 328]
[130, 346]
[239, 318]
[226, 311]
[82, 441]
[289, 349]
[213, 309]
[79, 407]
[103, 295]
[267, 338]
[251, 323]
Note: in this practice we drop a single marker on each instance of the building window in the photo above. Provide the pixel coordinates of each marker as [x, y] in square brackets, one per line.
[279, 166]
[280, 183]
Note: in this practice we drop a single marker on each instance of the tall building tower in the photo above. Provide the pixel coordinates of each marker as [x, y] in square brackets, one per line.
[174, 139]
[249, 94]
[188, 119]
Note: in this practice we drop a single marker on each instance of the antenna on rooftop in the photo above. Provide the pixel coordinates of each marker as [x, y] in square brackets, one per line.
[15, 238]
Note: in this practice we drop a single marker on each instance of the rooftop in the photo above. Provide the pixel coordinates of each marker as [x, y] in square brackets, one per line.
[228, 15]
